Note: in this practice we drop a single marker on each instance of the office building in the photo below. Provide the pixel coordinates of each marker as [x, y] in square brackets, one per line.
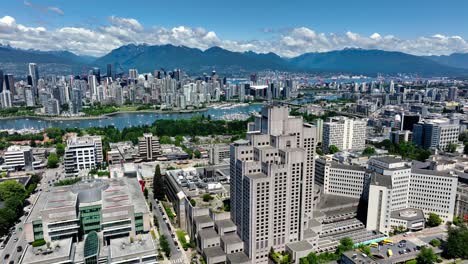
[148, 147]
[436, 133]
[345, 133]
[5, 99]
[82, 153]
[218, 153]
[18, 158]
[396, 192]
[319, 124]
[34, 73]
[272, 182]
[461, 205]
[452, 94]
[29, 96]
[52, 107]
[340, 179]
[97, 72]
[132, 74]
[76, 103]
[399, 136]
[93, 88]
[409, 120]
[109, 71]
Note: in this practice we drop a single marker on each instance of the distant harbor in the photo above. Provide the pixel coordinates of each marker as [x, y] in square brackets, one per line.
[130, 119]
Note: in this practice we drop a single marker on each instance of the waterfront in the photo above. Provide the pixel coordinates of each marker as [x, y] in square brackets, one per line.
[131, 119]
[122, 120]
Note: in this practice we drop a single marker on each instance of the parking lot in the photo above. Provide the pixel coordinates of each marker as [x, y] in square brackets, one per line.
[403, 249]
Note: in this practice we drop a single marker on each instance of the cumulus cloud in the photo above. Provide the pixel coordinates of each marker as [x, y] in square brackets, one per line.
[285, 42]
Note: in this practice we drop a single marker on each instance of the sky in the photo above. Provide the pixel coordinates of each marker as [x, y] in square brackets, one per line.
[288, 27]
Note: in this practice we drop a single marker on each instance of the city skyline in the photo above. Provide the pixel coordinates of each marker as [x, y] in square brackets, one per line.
[285, 29]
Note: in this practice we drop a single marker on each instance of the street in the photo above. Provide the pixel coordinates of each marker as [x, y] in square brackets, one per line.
[49, 177]
[177, 256]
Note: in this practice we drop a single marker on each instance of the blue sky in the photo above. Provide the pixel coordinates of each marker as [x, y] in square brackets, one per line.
[243, 24]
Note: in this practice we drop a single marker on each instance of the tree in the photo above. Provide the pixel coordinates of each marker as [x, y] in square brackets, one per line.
[368, 151]
[455, 247]
[158, 184]
[458, 221]
[197, 154]
[451, 148]
[193, 202]
[346, 244]
[12, 189]
[465, 149]
[435, 242]
[433, 220]
[207, 197]
[165, 246]
[426, 256]
[60, 149]
[52, 161]
[332, 149]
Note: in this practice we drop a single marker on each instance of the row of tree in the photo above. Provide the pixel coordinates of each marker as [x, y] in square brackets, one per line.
[405, 149]
[13, 195]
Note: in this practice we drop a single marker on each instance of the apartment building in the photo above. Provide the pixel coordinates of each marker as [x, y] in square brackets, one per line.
[272, 182]
[82, 153]
[345, 133]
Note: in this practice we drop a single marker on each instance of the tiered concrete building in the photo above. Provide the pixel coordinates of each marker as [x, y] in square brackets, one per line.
[272, 182]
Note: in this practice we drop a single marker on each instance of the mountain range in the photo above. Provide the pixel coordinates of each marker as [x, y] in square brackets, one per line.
[147, 58]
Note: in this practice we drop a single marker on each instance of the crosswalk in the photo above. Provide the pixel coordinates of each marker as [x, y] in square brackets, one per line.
[179, 260]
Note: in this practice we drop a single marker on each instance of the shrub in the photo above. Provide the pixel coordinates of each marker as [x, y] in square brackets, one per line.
[207, 197]
[38, 243]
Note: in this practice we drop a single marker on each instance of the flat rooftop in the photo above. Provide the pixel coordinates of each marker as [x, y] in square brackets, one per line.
[57, 255]
[381, 180]
[232, 238]
[213, 252]
[208, 233]
[59, 198]
[408, 214]
[238, 258]
[433, 172]
[300, 246]
[122, 249]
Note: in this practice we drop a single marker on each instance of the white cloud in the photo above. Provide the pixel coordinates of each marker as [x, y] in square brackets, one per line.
[44, 9]
[56, 10]
[291, 42]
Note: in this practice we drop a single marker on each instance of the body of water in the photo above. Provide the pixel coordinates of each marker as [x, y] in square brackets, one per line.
[121, 120]
[132, 119]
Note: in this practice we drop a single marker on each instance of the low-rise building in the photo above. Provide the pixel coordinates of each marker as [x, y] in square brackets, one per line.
[18, 158]
[113, 207]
